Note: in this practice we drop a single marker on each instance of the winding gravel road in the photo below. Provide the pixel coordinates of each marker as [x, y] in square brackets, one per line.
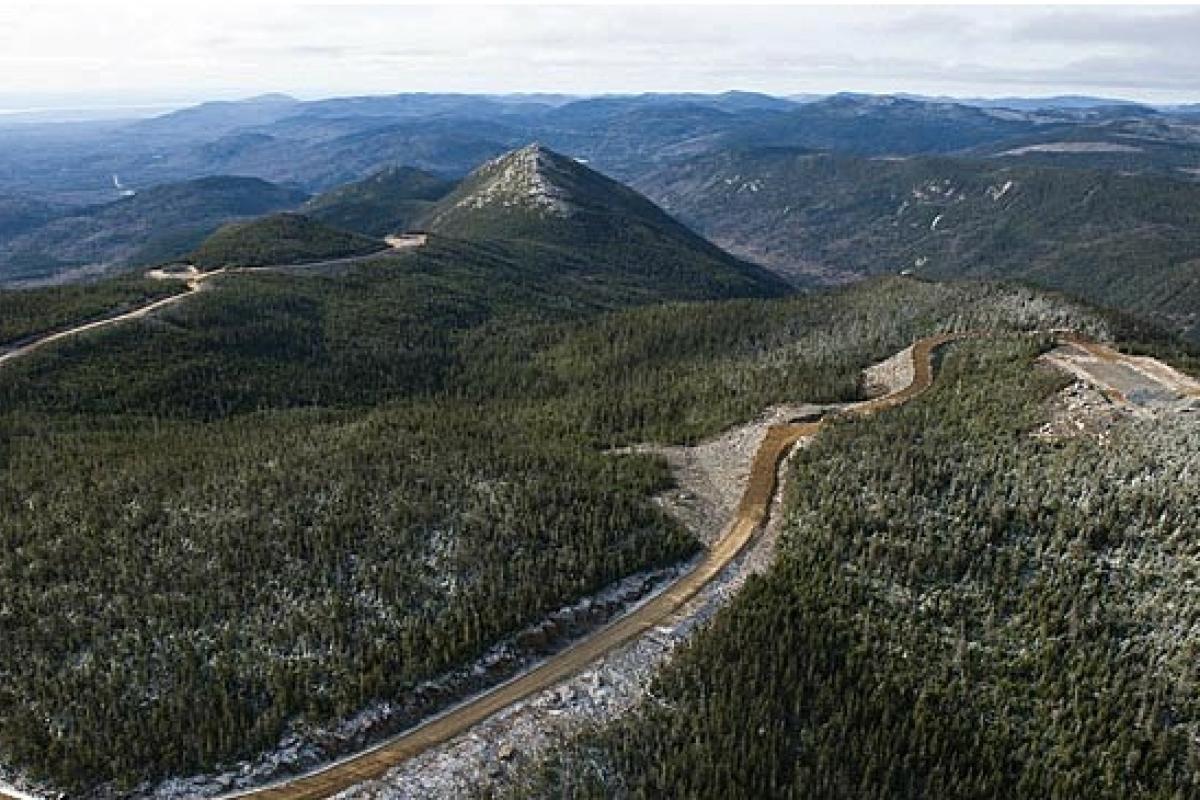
[750, 516]
[194, 282]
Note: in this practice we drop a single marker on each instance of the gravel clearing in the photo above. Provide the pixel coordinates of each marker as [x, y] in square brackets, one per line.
[711, 476]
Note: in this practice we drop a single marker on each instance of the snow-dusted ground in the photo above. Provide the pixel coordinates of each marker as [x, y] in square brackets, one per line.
[16, 787]
[492, 753]
[307, 749]
[1073, 147]
[996, 192]
[890, 375]
[711, 477]
[521, 178]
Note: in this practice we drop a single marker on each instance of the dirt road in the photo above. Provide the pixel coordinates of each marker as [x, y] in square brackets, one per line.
[751, 514]
[137, 313]
[195, 280]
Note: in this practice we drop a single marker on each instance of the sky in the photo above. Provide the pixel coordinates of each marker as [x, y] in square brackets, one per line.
[116, 51]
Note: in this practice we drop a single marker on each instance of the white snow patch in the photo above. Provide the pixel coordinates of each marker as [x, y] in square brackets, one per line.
[996, 192]
[8, 790]
[1073, 147]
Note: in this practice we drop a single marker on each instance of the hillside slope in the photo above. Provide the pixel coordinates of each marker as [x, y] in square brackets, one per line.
[388, 201]
[573, 219]
[958, 609]
[375, 476]
[280, 239]
[1126, 241]
[160, 223]
[878, 125]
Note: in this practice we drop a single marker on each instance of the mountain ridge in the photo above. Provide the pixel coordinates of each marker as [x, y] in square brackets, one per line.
[1129, 242]
[583, 220]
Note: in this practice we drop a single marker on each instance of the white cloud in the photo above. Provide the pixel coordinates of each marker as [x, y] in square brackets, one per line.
[221, 48]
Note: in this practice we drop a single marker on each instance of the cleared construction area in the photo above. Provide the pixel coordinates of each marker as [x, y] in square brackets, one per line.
[1139, 382]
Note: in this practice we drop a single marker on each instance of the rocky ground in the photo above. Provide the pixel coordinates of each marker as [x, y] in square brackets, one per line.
[1107, 392]
[1081, 410]
[888, 376]
[711, 476]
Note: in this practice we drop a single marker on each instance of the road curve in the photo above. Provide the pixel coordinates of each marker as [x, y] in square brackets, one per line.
[751, 514]
[194, 281]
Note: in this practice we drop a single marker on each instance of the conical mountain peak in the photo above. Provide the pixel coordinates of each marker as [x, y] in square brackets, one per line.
[560, 209]
[533, 177]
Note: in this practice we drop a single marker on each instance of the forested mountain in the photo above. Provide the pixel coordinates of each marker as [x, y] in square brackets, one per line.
[375, 474]
[279, 239]
[559, 211]
[158, 224]
[19, 214]
[1127, 241]
[300, 501]
[389, 201]
[958, 610]
[1136, 144]
[877, 125]
[213, 120]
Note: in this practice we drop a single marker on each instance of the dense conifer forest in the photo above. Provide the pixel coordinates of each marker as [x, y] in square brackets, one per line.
[959, 610]
[25, 314]
[280, 239]
[292, 495]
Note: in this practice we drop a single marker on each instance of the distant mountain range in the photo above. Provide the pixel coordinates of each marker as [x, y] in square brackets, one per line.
[741, 168]
[1127, 241]
[320, 144]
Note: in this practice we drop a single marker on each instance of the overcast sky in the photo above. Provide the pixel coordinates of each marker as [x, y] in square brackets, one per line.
[186, 51]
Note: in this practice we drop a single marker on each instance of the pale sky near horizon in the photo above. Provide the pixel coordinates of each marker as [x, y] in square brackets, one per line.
[54, 53]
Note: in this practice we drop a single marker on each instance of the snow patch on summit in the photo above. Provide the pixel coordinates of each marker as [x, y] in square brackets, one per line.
[996, 192]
